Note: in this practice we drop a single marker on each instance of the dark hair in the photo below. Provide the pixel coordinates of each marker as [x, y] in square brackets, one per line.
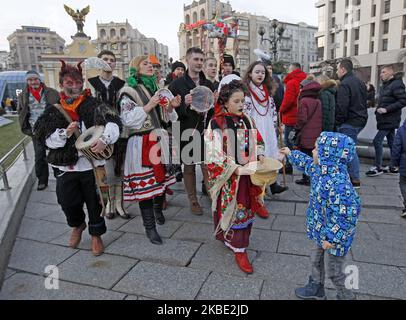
[228, 90]
[297, 65]
[194, 50]
[347, 65]
[107, 53]
[268, 80]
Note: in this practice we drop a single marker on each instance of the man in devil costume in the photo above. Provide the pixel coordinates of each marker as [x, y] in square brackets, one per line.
[75, 179]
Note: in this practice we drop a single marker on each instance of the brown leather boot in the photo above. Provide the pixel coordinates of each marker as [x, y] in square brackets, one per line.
[76, 236]
[97, 246]
[196, 208]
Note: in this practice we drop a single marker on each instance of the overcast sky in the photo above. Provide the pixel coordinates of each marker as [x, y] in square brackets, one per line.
[154, 18]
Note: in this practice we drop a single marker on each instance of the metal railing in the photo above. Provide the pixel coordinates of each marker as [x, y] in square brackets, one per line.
[3, 169]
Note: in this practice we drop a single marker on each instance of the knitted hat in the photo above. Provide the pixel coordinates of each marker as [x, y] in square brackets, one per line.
[154, 60]
[32, 75]
[229, 59]
[178, 64]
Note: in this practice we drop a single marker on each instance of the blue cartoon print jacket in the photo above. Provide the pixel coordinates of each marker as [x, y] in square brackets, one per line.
[334, 206]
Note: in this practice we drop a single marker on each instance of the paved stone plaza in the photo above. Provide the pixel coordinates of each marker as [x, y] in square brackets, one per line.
[191, 265]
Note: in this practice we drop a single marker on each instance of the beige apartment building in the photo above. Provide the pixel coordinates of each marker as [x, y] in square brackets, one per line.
[371, 32]
[127, 43]
[29, 43]
[298, 43]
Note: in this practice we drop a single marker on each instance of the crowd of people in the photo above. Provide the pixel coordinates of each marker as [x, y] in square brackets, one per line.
[258, 121]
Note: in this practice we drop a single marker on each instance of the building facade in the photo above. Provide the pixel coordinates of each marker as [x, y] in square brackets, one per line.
[298, 43]
[4, 60]
[127, 43]
[29, 43]
[371, 32]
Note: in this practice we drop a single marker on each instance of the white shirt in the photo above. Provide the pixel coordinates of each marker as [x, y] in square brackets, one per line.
[58, 140]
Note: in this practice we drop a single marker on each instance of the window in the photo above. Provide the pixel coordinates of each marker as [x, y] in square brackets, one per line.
[122, 32]
[372, 29]
[358, 16]
[373, 14]
[187, 19]
[333, 7]
[332, 54]
[112, 33]
[202, 14]
[357, 2]
[385, 45]
[102, 33]
[333, 38]
[403, 41]
[356, 50]
[345, 51]
[386, 26]
[347, 3]
[387, 6]
[194, 17]
[345, 35]
[356, 34]
[372, 47]
[404, 22]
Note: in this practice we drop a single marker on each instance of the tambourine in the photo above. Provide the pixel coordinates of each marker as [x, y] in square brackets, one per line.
[202, 99]
[165, 97]
[88, 139]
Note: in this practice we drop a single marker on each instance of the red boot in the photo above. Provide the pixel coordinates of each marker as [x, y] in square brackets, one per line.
[262, 212]
[243, 263]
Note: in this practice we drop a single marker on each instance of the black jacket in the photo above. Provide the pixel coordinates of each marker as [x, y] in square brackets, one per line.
[91, 112]
[392, 97]
[107, 96]
[352, 105]
[187, 118]
[51, 97]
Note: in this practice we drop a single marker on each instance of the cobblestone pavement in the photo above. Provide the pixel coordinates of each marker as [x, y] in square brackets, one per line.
[191, 265]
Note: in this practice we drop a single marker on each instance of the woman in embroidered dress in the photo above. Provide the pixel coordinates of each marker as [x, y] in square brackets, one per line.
[233, 147]
[145, 179]
[260, 106]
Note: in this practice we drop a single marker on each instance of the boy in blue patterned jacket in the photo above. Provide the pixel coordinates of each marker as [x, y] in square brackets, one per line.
[333, 211]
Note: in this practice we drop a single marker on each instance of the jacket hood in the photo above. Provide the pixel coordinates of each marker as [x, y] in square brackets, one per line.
[312, 89]
[298, 75]
[329, 84]
[335, 149]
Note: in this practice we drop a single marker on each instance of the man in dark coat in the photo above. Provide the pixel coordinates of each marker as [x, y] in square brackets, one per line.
[351, 111]
[32, 103]
[392, 99]
[193, 122]
[178, 71]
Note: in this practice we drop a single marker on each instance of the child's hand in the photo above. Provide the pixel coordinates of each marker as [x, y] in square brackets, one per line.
[285, 151]
[327, 245]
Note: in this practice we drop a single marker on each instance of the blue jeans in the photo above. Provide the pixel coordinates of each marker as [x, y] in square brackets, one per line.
[378, 143]
[352, 132]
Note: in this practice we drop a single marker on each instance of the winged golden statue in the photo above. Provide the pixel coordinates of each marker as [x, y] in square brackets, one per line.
[78, 17]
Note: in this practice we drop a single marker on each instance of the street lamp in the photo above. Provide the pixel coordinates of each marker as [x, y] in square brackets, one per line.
[278, 30]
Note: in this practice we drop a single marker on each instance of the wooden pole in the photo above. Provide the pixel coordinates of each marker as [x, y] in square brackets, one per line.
[282, 146]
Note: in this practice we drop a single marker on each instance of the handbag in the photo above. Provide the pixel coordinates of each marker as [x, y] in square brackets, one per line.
[294, 135]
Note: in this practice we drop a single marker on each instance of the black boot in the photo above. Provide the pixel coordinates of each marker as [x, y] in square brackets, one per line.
[278, 189]
[288, 169]
[158, 208]
[149, 223]
[305, 181]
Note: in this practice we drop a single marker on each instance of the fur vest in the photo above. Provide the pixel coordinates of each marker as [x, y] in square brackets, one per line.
[90, 112]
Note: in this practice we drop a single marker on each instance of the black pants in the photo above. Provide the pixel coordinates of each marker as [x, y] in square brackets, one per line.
[73, 190]
[41, 164]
